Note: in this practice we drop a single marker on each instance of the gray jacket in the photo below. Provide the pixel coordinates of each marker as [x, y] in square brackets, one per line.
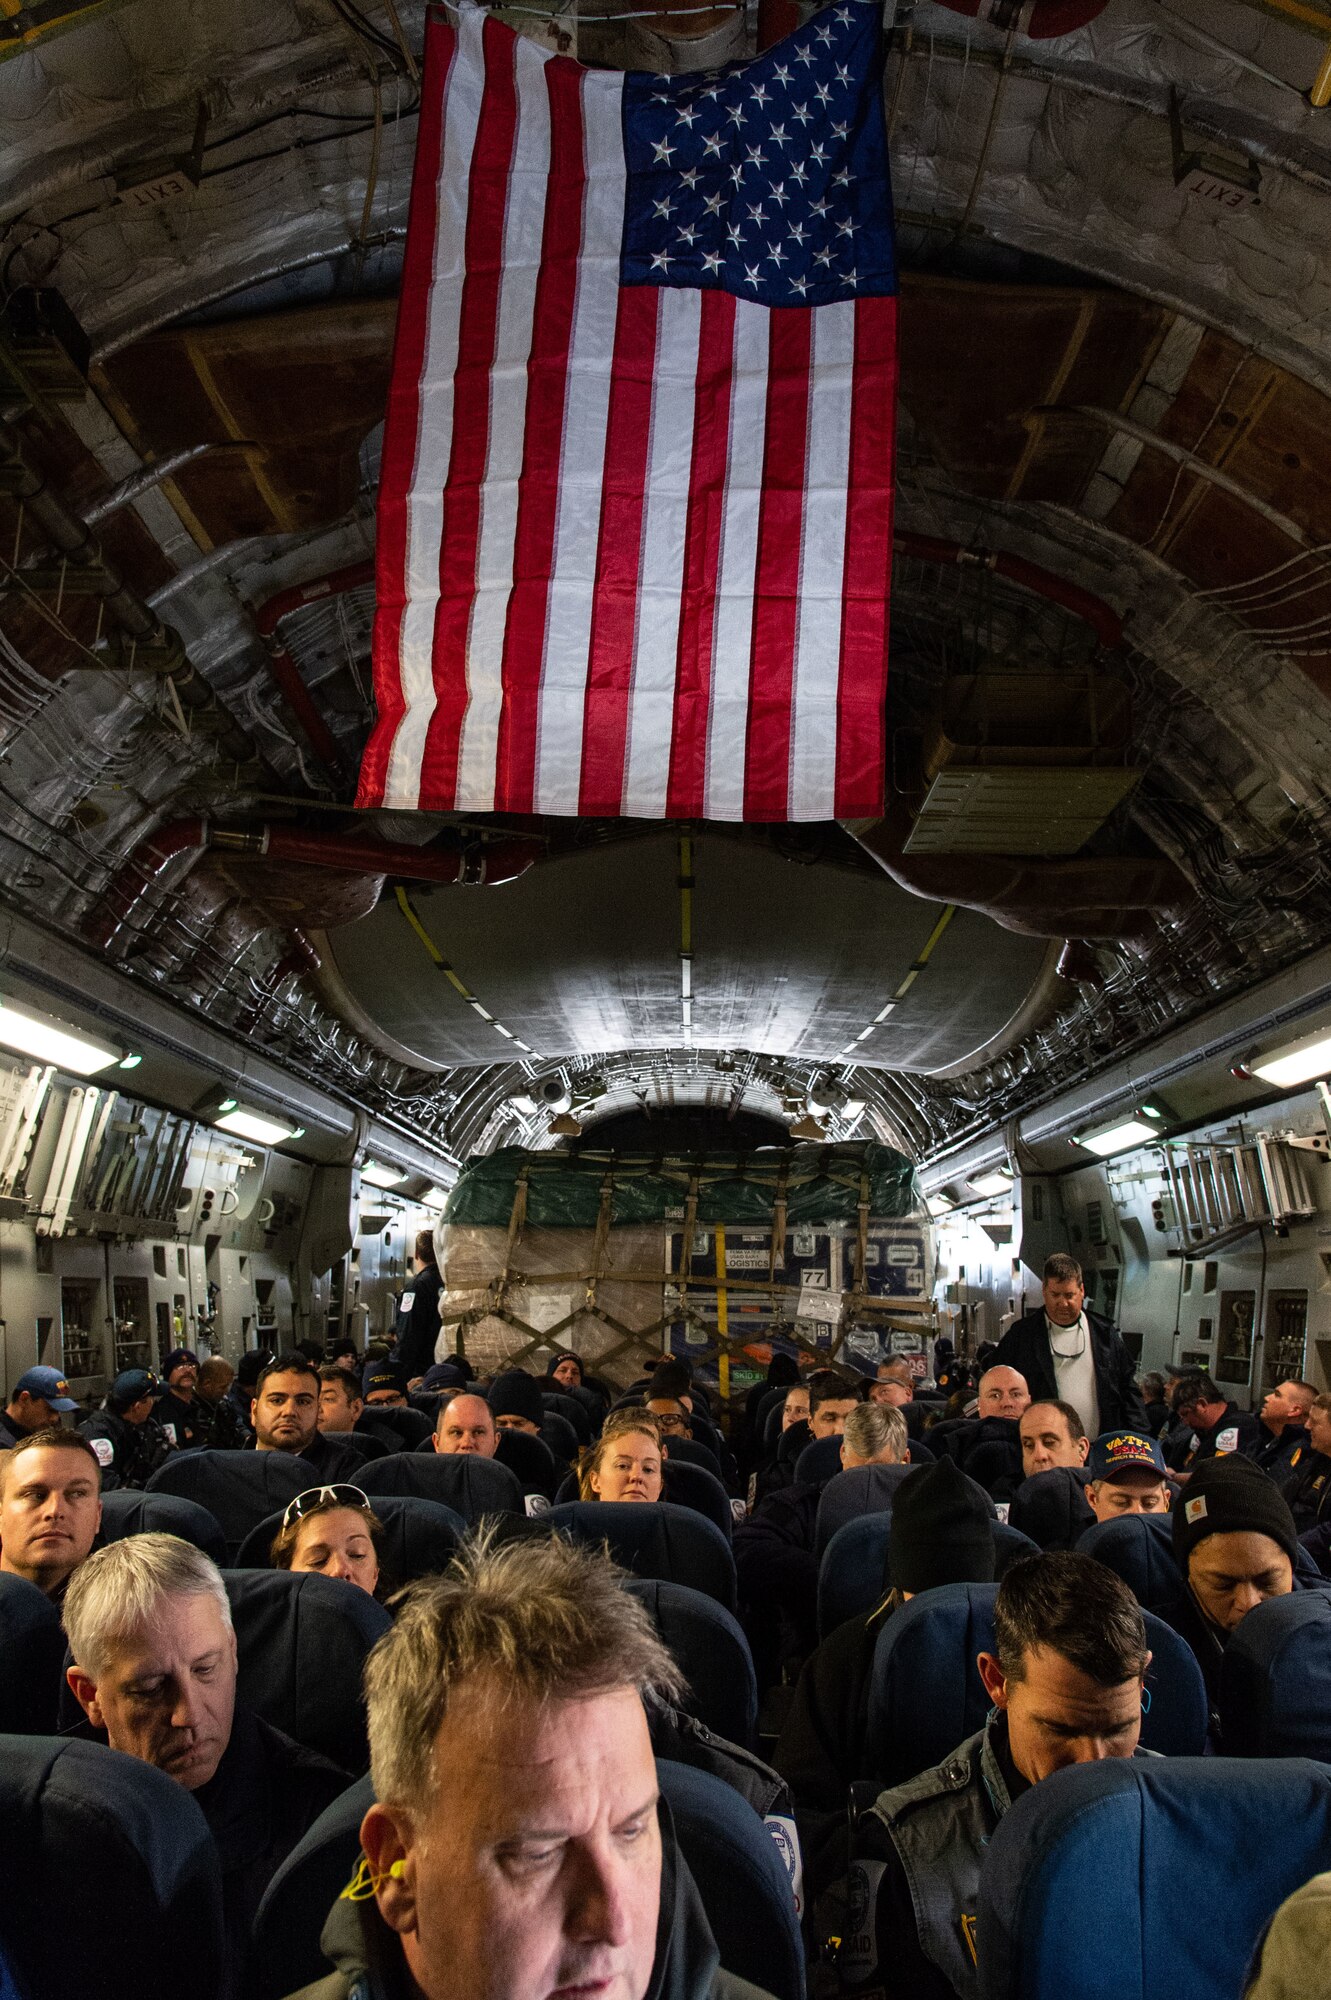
[370, 1965]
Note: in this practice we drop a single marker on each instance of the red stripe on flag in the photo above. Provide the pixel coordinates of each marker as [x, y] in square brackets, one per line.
[777, 570]
[483, 262]
[538, 484]
[702, 556]
[615, 601]
[402, 424]
[862, 689]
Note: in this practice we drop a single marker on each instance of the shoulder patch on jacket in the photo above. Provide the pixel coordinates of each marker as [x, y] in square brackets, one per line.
[105, 1451]
[1227, 1439]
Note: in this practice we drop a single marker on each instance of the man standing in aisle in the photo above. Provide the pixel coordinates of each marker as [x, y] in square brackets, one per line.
[1071, 1355]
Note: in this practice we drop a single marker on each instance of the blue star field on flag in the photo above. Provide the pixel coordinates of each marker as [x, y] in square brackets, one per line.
[767, 179]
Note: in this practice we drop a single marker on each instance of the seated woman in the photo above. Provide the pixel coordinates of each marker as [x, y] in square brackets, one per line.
[625, 1462]
[330, 1531]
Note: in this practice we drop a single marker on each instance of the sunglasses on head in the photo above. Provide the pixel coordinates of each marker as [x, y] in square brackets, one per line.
[324, 1496]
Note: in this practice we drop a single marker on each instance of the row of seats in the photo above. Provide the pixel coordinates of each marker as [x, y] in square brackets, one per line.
[149, 1917]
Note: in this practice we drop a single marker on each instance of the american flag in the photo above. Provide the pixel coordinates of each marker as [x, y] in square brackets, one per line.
[635, 513]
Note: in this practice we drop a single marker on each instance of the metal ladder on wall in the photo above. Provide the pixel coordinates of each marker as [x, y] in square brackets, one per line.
[1222, 1191]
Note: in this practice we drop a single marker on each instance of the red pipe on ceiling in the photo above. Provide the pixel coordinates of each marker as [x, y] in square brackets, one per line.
[1101, 617]
[286, 673]
[493, 862]
[1047, 17]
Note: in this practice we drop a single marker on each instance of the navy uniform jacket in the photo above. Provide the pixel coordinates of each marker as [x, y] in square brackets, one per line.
[1238, 1430]
[1280, 1455]
[1025, 1347]
[128, 1453]
[418, 1322]
[187, 1423]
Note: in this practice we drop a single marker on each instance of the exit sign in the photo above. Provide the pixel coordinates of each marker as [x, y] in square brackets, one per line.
[1218, 191]
[152, 192]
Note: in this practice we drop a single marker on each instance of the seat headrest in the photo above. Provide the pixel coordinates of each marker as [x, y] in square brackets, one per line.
[111, 1878]
[694, 1486]
[1052, 1508]
[286, 1955]
[239, 1488]
[302, 1642]
[130, 1513]
[852, 1494]
[655, 1538]
[530, 1460]
[1139, 1548]
[471, 1486]
[712, 1652]
[1275, 1680]
[32, 1659]
[1101, 1851]
[925, 1692]
[739, 1874]
[818, 1462]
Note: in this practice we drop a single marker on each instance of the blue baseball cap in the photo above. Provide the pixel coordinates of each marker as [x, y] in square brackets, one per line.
[1116, 1452]
[384, 1374]
[131, 1386]
[49, 1384]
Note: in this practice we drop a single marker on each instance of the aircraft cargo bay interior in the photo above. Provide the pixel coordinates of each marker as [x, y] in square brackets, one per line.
[665, 1000]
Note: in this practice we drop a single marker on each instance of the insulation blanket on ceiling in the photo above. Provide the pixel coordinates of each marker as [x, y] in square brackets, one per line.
[817, 1184]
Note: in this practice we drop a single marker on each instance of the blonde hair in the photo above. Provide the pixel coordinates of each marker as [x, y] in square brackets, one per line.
[540, 1621]
[118, 1590]
[623, 1423]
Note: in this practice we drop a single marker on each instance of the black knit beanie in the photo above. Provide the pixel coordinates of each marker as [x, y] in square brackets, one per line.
[940, 1530]
[1231, 1496]
[517, 1394]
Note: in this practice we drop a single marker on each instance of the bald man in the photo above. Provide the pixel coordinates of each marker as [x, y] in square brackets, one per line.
[1003, 1393]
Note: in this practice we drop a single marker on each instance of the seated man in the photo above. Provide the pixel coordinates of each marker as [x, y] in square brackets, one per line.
[466, 1424]
[1052, 1435]
[515, 1850]
[672, 1418]
[226, 1432]
[384, 1385]
[40, 1398]
[1234, 1541]
[149, 1629]
[1282, 1439]
[1002, 1393]
[894, 1384]
[129, 1442]
[1127, 1476]
[182, 1416]
[795, 1405]
[831, 1400]
[239, 1398]
[1066, 1682]
[515, 1402]
[50, 1508]
[340, 1400]
[286, 1418]
[1211, 1426]
[1307, 1487]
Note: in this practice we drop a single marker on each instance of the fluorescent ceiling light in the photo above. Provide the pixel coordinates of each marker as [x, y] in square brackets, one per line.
[130, 1062]
[434, 1197]
[995, 1182]
[1116, 1138]
[250, 1125]
[380, 1176]
[51, 1041]
[1297, 1064]
[938, 1204]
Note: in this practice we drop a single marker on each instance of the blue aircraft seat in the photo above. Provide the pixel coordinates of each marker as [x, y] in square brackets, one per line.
[1140, 1549]
[302, 1642]
[238, 1488]
[1090, 1876]
[712, 1652]
[1275, 1680]
[130, 1513]
[693, 1486]
[470, 1485]
[854, 1565]
[655, 1539]
[111, 1879]
[32, 1659]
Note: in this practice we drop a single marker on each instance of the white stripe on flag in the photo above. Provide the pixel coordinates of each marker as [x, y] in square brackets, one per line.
[665, 516]
[727, 731]
[582, 457]
[524, 220]
[425, 496]
[813, 746]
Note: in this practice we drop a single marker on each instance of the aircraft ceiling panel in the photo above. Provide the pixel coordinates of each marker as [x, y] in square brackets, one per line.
[583, 954]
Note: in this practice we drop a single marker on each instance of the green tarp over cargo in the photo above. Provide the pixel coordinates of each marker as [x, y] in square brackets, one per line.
[819, 1184]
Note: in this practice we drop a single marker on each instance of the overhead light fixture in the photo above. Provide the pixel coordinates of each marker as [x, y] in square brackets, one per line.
[434, 1197]
[1297, 1062]
[52, 1041]
[938, 1205]
[807, 1128]
[1116, 1138]
[381, 1176]
[996, 1181]
[130, 1061]
[252, 1125]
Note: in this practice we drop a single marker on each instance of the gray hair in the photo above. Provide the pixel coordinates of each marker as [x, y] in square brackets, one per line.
[540, 1621]
[118, 1590]
[873, 1428]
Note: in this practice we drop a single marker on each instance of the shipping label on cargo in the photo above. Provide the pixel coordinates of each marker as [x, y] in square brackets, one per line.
[896, 1260]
